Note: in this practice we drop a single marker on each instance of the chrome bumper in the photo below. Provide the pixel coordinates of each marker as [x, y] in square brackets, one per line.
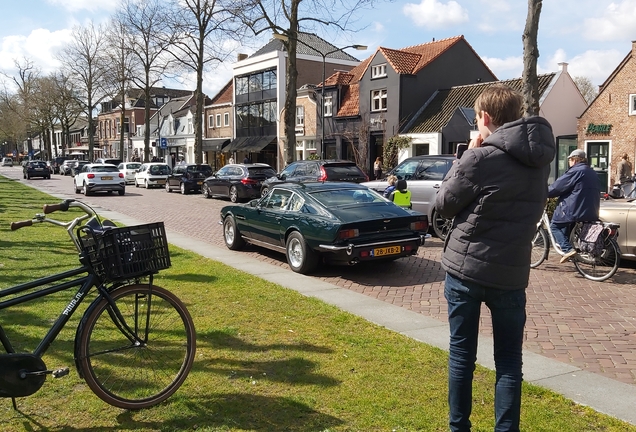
[350, 247]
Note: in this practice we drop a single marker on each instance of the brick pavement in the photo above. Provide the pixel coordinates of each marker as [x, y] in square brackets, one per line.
[591, 325]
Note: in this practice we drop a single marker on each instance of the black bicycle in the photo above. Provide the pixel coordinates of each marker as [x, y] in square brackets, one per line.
[135, 343]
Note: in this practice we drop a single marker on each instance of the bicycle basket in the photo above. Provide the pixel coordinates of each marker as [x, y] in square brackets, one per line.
[126, 252]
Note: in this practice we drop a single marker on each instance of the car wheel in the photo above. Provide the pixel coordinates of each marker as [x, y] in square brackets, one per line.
[136, 184]
[121, 192]
[168, 187]
[183, 189]
[206, 191]
[146, 185]
[300, 257]
[264, 191]
[85, 190]
[234, 194]
[232, 235]
[441, 225]
[77, 190]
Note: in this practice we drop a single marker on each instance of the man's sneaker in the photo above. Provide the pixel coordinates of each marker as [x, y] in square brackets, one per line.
[567, 256]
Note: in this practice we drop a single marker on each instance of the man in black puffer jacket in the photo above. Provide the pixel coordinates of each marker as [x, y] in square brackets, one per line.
[496, 194]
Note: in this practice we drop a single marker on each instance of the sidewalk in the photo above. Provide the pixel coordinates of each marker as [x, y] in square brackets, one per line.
[603, 394]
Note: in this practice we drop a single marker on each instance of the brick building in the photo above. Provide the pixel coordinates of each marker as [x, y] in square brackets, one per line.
[607, 128]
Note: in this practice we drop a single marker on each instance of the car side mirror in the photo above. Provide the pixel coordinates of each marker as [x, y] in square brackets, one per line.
[254, 203]
[282, 176]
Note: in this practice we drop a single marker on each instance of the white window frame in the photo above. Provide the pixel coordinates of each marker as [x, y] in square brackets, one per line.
[218, 120]
[190, 126]
[378, 71]
[300, 116]
[210, 122]
[328, 106]
[379, 100]
[226, 119]
[632, 104]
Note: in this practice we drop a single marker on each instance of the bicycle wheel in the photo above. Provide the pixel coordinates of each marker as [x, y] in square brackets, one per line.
[141, 370]
[540, 247]
[598, 267]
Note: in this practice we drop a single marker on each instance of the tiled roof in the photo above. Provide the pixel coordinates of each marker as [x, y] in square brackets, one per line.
[224, 96]
[350, 105]
[339, 78]
[402, 62]
[308, 44]
[438, 111]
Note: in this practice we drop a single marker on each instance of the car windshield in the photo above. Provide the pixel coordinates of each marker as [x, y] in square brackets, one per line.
[203, 169]
[38, 164]
[159, 169]
[343, 171]
[133, 166]
[266, 172]
[339, 197]
[104, 169]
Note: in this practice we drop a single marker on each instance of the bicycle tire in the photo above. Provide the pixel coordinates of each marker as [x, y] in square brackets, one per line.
[597, 268]
[133, 375]
[540, 247]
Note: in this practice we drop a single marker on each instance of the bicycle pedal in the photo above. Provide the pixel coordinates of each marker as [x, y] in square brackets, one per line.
[59, 373]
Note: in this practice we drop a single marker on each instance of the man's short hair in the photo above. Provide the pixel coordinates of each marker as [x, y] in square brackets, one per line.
[502, 103]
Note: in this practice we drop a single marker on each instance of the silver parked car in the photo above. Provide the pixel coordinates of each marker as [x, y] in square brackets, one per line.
[424, 175]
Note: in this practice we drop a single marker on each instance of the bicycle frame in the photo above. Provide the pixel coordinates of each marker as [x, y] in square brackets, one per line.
[545, 222]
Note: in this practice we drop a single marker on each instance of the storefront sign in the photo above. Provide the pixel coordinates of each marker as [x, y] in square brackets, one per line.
[598, 129]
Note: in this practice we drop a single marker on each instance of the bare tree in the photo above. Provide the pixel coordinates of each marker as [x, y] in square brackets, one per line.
[148, 24]
[67, 107]
[123, 64]
[530, 57]
[83, 62]
[203, 26]
[289, 17]
[587, 89]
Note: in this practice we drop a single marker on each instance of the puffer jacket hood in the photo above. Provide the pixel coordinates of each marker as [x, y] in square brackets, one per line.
[529, 140]
[496, 194]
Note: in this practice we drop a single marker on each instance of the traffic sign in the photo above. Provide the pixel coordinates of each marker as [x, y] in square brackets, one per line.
[164, 143]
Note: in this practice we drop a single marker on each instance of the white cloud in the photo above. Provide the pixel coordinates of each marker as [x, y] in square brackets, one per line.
[433, 14]
[617, 23]
[39, 46]
[88, 5]
[595, 65]
[506, 68]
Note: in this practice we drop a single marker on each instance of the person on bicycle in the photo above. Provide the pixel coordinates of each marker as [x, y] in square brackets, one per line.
[579, 192]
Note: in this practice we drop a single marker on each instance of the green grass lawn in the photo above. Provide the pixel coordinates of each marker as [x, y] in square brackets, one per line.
[268, 358]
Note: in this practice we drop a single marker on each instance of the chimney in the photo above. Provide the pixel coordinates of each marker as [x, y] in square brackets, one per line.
[241, 57]
[634, 48]
[564, 67]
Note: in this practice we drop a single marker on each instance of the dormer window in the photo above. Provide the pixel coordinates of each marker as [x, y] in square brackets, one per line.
[378, 71]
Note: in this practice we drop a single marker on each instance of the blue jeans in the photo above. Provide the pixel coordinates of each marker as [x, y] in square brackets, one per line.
[561, 233]
[508, 310]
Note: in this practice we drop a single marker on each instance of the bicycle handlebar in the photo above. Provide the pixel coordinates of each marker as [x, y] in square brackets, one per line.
[18, 225]
[50, 208]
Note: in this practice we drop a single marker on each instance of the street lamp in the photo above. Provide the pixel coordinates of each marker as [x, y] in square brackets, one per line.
[322, 87]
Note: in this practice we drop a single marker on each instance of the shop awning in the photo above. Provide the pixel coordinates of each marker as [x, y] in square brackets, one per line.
[249, 144]
[214, 144]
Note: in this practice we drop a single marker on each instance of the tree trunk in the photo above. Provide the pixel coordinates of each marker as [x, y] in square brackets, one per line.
[530, 56]
[291, 90]
[122, 119]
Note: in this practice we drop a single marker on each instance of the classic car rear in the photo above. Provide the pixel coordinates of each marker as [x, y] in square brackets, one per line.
[338, 223]
[99, 178]
[622, 212]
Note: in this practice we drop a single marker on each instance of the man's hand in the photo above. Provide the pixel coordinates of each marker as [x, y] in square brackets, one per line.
[476, 142]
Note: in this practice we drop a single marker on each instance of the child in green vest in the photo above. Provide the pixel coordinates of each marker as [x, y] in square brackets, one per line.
[401, 196]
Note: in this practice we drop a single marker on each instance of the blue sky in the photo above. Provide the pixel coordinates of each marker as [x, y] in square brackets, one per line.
[593, 36]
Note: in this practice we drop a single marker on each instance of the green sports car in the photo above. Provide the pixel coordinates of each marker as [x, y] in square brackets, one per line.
[334, 222]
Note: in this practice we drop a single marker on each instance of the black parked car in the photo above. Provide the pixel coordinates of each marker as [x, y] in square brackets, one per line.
[317, 170]
[36, 168]
[188, 178]
[56, 163]
[237, 181]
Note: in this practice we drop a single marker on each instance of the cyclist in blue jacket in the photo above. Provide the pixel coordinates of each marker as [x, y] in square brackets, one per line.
[579, 193]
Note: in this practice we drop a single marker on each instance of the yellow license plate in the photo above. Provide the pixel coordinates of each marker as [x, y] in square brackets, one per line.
[161, 182]
[199, 183]
[391, 250]
[107, 177]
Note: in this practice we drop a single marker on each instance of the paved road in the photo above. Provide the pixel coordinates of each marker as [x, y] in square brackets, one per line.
[590, 325]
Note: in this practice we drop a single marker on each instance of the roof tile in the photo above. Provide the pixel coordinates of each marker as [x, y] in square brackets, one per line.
[350, 105]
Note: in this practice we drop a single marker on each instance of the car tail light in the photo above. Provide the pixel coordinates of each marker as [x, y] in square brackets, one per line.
[323, 174]
[350, 233]
[91, 176]
[248, 181]
[419, 226]
[121, 175]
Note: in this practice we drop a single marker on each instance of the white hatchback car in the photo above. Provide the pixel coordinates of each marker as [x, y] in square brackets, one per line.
[99, 178]
[7, 161]
[152, 174]
[129, 169]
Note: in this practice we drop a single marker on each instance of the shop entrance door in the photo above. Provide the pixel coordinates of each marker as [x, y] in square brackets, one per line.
[598, 158]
